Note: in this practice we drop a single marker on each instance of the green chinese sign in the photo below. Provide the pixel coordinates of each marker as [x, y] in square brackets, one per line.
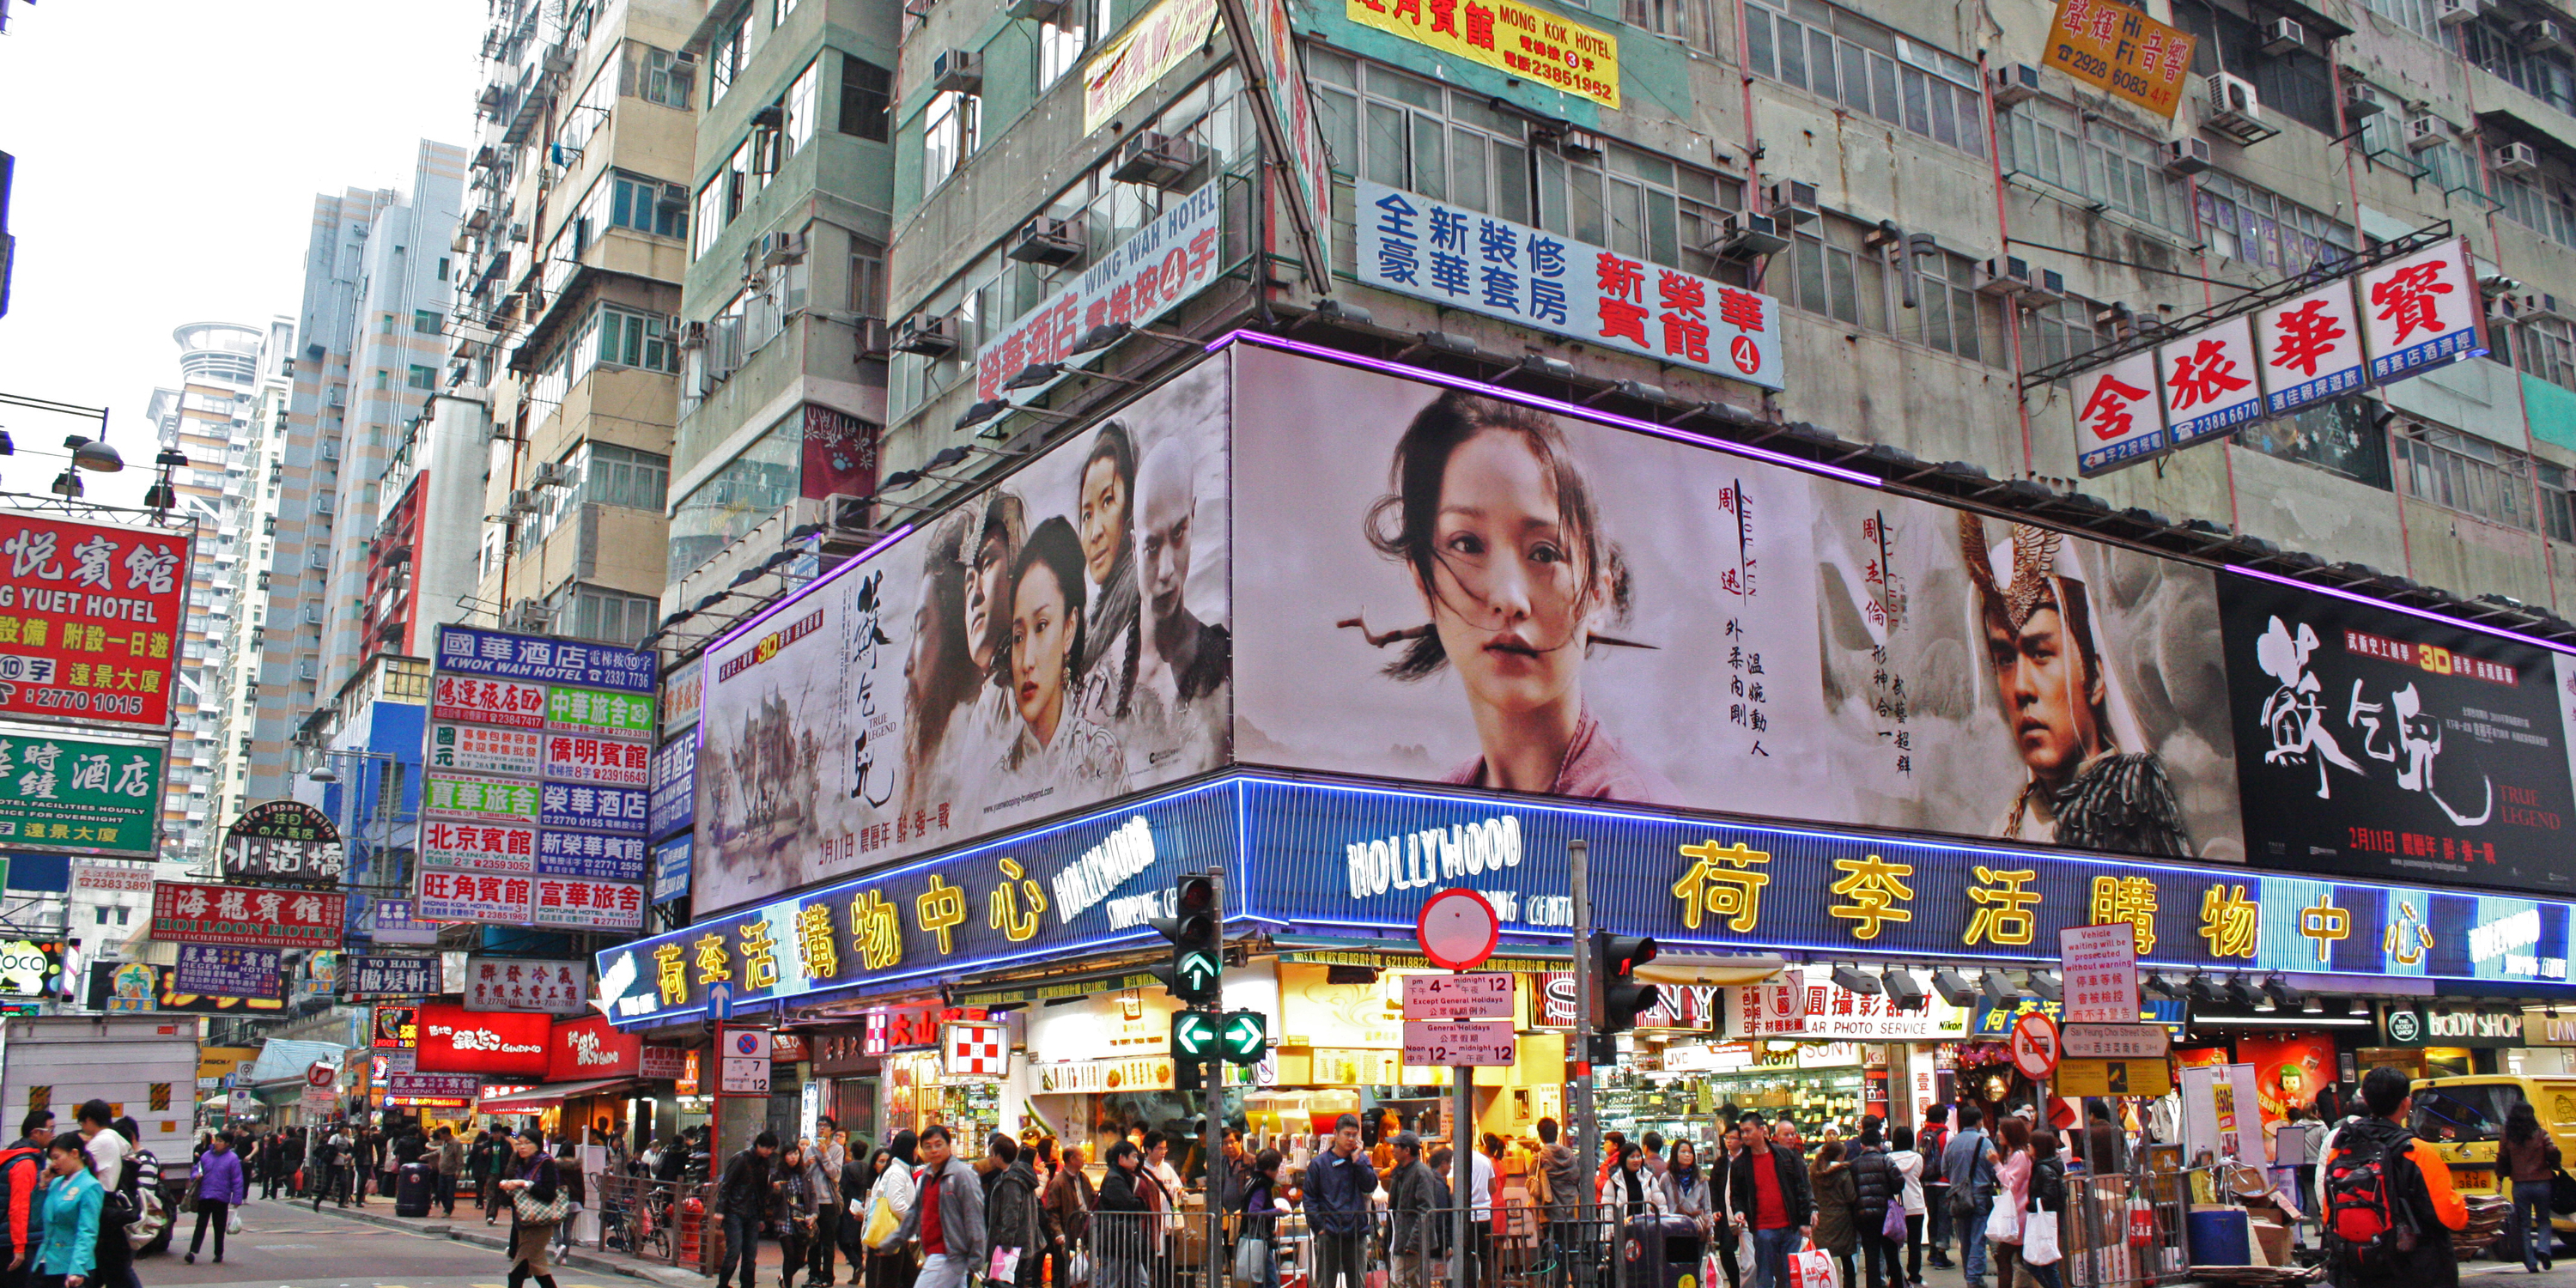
[477, 798]
[597, 711]
[73, 794]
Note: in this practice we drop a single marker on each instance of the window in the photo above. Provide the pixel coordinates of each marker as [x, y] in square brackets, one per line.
[1685, 20]
[599, 614]
[2095, 160]
[2295, 83]
[779, 9]
[2464, 473]
[2340, 437]
[1833, 272]
[633, 340]
[868, 280]
[2417, 16]
[2547, 349]
[797, 129]
[2544, 203]
[442, 268]
[1867, 68]
[865, 91]
[2549, 75]
[1059, 48]
[427, 321]
[383, 378]
[637, 203]
[2241, 221]
[948, 136]
[587, 114]
[622, 476]
[742, 179]
[725, 57]
[710, 215]
[2469, 1113]
[423, 377]
[667, 81]
[2557, 500]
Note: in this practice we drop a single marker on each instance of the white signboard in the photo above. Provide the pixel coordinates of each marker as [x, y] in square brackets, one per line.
[2221, 1114]
[110, 878]
[2115, 1041]
[523, 984]
[1796, 1006]
[1157, 267]
[320, 1102]
[2119, 419]
[1439, 1043]
[746, 1075]
[2211, 381]
[2311, 348]
[2098, 966]
[1480, 995]
[484, 749]
[2422, 310]
[1463, 259]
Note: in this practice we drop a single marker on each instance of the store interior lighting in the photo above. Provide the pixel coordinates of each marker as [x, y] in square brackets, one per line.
[2356, 1006]
[1953, 987]
[2047, 985]
[1998, 986]
[1854, 979]
[2314, 1005]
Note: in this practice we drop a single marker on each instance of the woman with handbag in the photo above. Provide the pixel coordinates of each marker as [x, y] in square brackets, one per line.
[1256, 1255]
[220, 1188]
[890, 1264]
[2530, 1158]
[2040, 1231]
[2012, 1194]
[537, 1205]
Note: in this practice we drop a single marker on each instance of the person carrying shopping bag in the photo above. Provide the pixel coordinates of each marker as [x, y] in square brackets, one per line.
[221, 1187]
[537, 1206]
[1767, 1184]
[1256, 1247]
[2040, 1230]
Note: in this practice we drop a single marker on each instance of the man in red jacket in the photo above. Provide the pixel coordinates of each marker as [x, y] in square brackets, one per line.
[22, 1167]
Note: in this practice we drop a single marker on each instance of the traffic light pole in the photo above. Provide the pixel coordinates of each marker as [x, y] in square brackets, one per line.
[1219, 1177]
[1578, 1109]
[1462, 1141]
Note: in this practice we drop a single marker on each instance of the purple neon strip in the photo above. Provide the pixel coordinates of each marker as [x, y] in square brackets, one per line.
[2425, 613]
[808, 588]
[1543, 404]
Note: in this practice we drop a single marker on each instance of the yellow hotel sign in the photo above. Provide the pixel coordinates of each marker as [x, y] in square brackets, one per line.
[1520, 39]
[2112, 46]
[1153, 46]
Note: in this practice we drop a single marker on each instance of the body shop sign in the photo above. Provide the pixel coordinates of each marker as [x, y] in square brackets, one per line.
[191, 913]
[490, 1043]
[88, 616]
[1461, 259]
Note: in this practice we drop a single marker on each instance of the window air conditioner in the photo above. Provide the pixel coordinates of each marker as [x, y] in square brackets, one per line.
[2517, 159]
[957, 70]
[2452, 13]
[1045, 240]
[780, 248]
[549, 474]
[2545, 305]
[2015, 83]
[523, 501]
[2283, 35]
[1037, 10]
[2426, 132]
[675, 196]
[2187, 156]
[693, 335]
[2233, 109]
[2004, 275]
[1156, 160]
[1744, 236]
[2547, 36]
[932, 335]
[1789, 201]
[874, 342]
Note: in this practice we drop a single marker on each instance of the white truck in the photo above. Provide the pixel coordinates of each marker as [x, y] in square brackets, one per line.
[143, 1066]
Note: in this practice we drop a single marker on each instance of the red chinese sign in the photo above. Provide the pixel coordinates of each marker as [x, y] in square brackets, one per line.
[493, 702]
[504, 1044]
[245, 916]
[2119, 416]
[90, 620]
[583, 1050]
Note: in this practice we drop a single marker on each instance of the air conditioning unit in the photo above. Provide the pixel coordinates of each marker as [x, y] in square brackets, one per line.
[957, 70]
[2545, 305]
[875, 341]
[2187, 156]
[1744, 236]
[2004, 275]
[1037, 10]
[330, 449]
[1045, 240]
[523, 501]
[932, 335]
[675, 196]
[549, 474]
[1157, 160]
[527, 615]
[312, 614]
[518, 232]
[337, 397]
[2047, 286]
[693, 335]
[2453, 13]
[1789, 201]
[2015, 83]
[1579, 143]
[323, 504]
[771, 250]
[2426, 132]
[2282, 35]
[479, 218]
[2233, 109]
[2547, 36]
[772, 117]
[2517, 159]
[2504, 308]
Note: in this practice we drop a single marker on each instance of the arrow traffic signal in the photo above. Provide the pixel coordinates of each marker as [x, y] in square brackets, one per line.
[1243, 1036]
[1615, 959]
[1197, 971]
[1194, 1036]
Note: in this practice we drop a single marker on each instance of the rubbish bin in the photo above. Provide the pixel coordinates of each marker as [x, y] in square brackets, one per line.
[1660, 1252]
[414, 1183]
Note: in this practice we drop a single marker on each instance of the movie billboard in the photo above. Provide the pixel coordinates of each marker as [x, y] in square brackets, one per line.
[1476, 593]
[2378, 743]
[1058, 640]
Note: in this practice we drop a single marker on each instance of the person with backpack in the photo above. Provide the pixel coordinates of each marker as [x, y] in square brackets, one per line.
[22, 1175]
[1930, 1142]
[1968, 1160]
[2530, 1157]
[2388, 1208]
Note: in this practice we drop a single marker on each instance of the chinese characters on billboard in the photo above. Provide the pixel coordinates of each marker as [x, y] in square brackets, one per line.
[90, 618]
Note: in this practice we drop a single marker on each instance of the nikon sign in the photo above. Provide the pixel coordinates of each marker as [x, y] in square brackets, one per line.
[2449, 1026]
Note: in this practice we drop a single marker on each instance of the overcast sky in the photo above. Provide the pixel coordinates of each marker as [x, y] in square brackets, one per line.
[168, 157]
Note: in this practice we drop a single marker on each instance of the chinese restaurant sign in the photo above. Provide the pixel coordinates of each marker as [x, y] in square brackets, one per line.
[89, 619]
[1155, 44]
[245, 916]
[1158, 266]
[69, 794]
[2116, 47]
[491, 1043]
[1518, 39]
[1453, 256]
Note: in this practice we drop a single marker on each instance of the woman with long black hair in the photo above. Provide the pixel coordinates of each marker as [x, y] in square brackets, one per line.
[530, 1173]
[891, 1266]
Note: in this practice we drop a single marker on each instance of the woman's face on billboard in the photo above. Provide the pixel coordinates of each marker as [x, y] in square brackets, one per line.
[1507, 596]
[1103, 512]
[1040, 637]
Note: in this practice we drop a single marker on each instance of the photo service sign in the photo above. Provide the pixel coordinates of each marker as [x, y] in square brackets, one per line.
[89, 797]
[283, 841]
[245, 916]
[89, 620]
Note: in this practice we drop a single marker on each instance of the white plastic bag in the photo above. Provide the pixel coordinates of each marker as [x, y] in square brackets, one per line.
[232, 1223]
[2039, 1238]
[2003, 1225]
[1812, 1267]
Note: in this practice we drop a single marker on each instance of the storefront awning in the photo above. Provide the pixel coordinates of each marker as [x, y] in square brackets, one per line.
[547, 1095]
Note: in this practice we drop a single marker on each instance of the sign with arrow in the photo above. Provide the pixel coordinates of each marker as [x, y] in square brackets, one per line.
[1194, 1035]
[1245, 1036]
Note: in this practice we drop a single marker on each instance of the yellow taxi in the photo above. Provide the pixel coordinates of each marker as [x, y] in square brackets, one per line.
[2464, 1120]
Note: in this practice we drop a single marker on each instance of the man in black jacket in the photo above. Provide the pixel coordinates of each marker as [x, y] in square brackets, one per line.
[1768, 1192]
[741, 1197]
[1879, 1184]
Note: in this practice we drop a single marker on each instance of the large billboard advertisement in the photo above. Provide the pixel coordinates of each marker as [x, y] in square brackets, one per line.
[1060, 639]
[90, 620]
[1481, 594]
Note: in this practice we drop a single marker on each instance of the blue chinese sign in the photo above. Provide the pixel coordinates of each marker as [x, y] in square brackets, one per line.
[219, 970]
[500, 655]
[590, 854]
[675, 787]
[1994, 1019]
[364, 978]
[671, 869]
[598, 809]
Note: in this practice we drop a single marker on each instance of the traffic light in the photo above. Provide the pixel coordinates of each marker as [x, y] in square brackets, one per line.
[1196, 930]
[1194, 1036]
[1243, 1036]
[1615, 959]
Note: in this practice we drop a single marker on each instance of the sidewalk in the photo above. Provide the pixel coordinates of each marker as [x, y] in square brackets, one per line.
[468, 1227]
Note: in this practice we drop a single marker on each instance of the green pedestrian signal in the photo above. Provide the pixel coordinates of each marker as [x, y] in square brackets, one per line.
[1244, 1035]
[1194, 1036]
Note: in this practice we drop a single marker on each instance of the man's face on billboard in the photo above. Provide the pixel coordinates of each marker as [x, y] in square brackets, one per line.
[984, 594]
[2048, 696]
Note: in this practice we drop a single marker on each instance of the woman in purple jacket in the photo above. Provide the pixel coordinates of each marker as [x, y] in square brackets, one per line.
[220, 1189]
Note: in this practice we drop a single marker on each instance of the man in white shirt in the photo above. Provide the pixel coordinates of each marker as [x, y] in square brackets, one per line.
[107, 1150]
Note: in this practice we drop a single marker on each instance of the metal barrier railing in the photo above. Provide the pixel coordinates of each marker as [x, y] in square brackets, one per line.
[663, 1221]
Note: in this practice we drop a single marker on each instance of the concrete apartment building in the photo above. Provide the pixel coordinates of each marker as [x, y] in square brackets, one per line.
[370, 346]
[1941, 217]
[575, 244]
[228, 419]
[782, 371]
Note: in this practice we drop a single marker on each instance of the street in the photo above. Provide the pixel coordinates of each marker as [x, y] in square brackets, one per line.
[287, 1244]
